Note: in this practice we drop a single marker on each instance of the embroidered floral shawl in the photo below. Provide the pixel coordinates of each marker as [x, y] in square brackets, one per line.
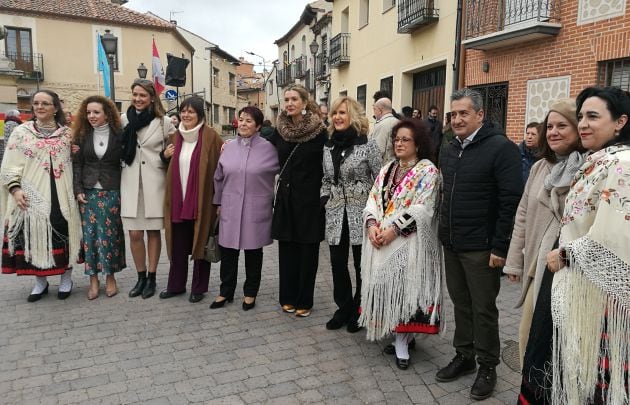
[407, 274]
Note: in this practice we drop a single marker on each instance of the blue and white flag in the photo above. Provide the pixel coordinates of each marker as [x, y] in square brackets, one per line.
[103, 64]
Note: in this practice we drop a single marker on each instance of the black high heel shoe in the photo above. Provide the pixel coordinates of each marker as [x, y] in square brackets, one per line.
[62, 295]
[37, 297]
[220, 304]
[247, 307]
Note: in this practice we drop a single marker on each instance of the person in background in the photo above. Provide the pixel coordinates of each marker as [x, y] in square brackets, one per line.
[267, 129]
[234, 125]
[529, 148]
[323, 109]
[188, 216]
[402, 257]
[407, 112]
[351, 164]
[298, 219]
[385, 94]
[96, 173]
[416, 114]
[382, 130]
[175, 119]
[42, 232]
[146, 132]
[435, 129]
[243, 184]
[11, 121]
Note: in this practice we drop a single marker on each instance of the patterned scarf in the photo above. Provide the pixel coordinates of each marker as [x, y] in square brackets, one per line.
[303, 131]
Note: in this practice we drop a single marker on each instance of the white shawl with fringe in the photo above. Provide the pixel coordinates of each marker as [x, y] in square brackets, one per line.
[28, 160]
[592, 294]
[405, 275]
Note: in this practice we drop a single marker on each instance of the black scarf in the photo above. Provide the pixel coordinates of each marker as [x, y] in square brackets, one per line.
[342, 143]
[130, 133]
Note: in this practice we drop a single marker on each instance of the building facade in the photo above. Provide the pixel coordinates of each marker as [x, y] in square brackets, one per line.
[523, 54]
[406, 47]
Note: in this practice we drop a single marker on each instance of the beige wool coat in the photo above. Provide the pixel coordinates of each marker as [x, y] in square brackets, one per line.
[536, 230]
[147, 166]
[206, 211]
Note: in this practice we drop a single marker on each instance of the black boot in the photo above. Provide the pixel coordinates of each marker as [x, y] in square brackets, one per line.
[142, 281]
[149, 289]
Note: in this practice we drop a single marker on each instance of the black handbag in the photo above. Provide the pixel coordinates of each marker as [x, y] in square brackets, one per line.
[212, 253]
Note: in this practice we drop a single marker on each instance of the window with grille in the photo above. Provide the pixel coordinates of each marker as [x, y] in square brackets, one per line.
[615, 73]
[361, 95]
[387, 84]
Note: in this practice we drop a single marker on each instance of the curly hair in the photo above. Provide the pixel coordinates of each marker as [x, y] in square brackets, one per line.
[421, 138]
[81, 126]
[358, 120]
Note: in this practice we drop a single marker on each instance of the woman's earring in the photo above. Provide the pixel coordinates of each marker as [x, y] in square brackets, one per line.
[304, 111]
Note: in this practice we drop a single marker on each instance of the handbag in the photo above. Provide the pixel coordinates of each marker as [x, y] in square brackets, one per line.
[211, 252]
[275, 190]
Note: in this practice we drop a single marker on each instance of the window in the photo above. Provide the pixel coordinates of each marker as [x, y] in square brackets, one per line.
[494, 102]
[343, 93]
[345, 20]
[428, 88]
[361, 95]
[614, 73]
[364, 13]
[215, 77]
[387, 4]
[270, 86]
[303, 44]
[19, 48]
[215, 114]
[232, 83]
[387, 84]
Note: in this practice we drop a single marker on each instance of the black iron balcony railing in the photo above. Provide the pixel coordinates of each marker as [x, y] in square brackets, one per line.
[413, 14]
[284, 76]
[340, 49]
[484, 17]
[321, 66]
[32, 64]
[309, 82]
[298, 67]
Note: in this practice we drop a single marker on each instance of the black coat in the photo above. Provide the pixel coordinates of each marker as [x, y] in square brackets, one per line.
[297, 216]
[87, 168]
[482, 186]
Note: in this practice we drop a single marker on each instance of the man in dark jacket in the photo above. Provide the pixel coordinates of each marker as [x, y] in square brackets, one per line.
[481, 191]
[435, 128]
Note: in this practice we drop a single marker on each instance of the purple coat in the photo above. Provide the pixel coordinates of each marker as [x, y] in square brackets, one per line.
[243, 187]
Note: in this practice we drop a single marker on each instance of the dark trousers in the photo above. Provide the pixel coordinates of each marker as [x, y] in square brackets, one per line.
[298, 269]
[182, 243]
[342, 284]
[229, 271]
[473, 287]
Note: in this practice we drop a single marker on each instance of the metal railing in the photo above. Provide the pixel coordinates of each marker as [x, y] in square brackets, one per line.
[298, 67]
[284, 76]
[32, 64]
[339, 49]
[321, 66]
[487, 16]
[416, 13]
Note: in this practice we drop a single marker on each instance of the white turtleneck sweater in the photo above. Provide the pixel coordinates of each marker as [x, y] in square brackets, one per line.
[188, 146]
[101, 139]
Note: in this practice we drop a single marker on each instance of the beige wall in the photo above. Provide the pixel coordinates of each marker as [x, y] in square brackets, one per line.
[377, 51]
[70, 61]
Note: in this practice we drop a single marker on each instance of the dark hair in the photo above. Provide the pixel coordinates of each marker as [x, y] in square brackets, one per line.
[255, 113]
[266, 123]
[618, 104]
[421, 137]
[60, 116]
[174, 114]
[197, 104]
[407, 111]
[382, 94]
[448, 117]
[148, 86]
[433, 107]
[544, 151]
[533, 124]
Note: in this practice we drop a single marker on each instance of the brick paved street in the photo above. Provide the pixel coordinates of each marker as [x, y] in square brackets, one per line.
[123, 350]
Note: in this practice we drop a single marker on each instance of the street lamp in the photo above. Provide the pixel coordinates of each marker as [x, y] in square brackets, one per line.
[314, 47]
[142, 71]
[110, 45]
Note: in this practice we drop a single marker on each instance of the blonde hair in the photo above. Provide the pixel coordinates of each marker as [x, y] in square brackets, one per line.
[358, 120]
[305, 96]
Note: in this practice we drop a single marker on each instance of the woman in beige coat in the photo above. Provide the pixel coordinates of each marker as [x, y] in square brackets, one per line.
[145, 153]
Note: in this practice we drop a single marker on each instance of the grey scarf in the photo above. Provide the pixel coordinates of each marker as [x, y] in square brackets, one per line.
[563, 172]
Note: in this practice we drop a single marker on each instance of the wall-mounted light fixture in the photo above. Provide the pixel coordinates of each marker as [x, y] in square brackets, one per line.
[485, 66]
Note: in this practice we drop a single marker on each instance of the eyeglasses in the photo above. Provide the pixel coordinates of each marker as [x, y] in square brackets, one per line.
[42, 104]
[402, 140]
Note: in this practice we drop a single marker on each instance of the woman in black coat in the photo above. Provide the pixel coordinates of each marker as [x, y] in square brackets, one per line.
[298, 219]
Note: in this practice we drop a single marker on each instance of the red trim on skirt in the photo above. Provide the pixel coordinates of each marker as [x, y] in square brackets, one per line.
[17, 263]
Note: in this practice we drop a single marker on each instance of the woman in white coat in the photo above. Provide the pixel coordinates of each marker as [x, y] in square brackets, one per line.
[145, 159]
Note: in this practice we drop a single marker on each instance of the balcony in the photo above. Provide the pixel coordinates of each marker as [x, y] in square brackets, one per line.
[491, 24]
[298, 67]
[340, 50]
[321, 66]
[413, 14]
[31, 64]
[284, 76]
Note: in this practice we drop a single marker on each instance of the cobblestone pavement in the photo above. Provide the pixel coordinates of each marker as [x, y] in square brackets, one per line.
[123, 350]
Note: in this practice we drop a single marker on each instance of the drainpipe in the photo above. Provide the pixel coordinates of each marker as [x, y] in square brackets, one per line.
[457, 60]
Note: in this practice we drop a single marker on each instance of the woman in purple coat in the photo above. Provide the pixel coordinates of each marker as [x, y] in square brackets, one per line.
[243, 189]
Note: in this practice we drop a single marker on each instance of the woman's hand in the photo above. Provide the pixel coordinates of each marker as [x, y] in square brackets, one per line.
[169, 151]
[20, 199]
[81, 198]
[554, 261]
[513, 278]
[374, 236]
[74, 149]
[387, 236]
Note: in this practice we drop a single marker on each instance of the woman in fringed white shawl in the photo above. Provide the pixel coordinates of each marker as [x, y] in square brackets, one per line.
[402, 258]
[42, 226]
[591, 293]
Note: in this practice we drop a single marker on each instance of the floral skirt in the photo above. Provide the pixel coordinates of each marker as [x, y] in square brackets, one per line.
[103, 246]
